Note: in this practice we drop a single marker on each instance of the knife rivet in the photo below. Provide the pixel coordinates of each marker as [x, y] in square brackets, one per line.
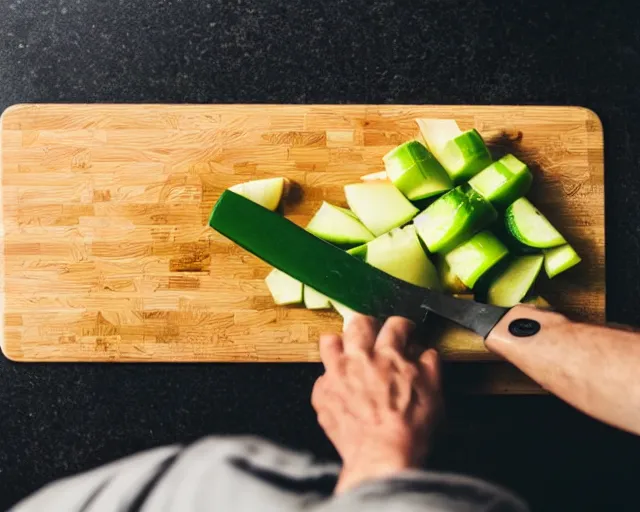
[524, 327]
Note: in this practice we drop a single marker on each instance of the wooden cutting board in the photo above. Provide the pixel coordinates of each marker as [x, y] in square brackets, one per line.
[108, 256]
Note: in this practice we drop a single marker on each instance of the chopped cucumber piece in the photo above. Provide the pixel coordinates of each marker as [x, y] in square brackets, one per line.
[462, 154]
[499, 228]
[437, 132]
[314, 299]
[559, 259]
[464, 296]
[527, 225]
[338, 225]
[453, 218]
[415, 171]
[345, 312]
[538, 301]
[515, 282]
[267, 192]
[474, 257]
[375, 176]
[359, 252]
[284, 289]
[503, 181]
[450, 282]
[379, 205]
[400, 254]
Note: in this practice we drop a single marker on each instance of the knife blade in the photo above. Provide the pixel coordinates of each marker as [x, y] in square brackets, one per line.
[337, 274]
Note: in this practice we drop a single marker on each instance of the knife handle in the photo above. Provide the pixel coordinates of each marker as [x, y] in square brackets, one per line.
[594, 368]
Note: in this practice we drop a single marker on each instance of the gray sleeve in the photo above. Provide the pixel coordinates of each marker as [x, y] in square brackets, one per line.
[247, 474]
[426, 491]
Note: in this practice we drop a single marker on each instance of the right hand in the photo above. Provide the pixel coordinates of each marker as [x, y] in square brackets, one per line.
[378, 409]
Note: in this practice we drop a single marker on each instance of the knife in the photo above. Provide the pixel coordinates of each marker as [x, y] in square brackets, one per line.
[344, 278]
[592, 367]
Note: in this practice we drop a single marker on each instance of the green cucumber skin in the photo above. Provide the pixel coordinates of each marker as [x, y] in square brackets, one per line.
[416, 172]
[514, 183]
[511, 222]
[350, 282]
[465, 156]
[453, 218]
[359, 252]
[500, 229]
[473, 258]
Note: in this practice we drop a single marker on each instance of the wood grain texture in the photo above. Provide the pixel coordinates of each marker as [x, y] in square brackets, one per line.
[107, 252]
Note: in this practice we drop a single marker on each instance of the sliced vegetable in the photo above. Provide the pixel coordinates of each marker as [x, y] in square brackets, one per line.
[527, 225]
[379, 205]
[375, 176]
[283, 288]
[314, 299]
[503, 181]
[453, 218]
[338, 225]
[400, 254]
[559, 259]
[462, 154]
[267, 192]
[415, 171]
[359, 252]
[515, 282]
[345, 312]
[474, 257]
[499, 228]
[437, 132]
[450, 282]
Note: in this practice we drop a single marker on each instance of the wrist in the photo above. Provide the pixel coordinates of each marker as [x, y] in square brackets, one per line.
[355, 472]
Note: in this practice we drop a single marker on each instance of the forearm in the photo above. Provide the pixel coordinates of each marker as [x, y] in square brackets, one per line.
[596, 369]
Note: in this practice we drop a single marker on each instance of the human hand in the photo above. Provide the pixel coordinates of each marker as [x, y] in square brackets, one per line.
[378, 409]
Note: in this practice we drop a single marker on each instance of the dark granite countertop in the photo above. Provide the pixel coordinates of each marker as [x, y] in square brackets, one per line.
[59, 419]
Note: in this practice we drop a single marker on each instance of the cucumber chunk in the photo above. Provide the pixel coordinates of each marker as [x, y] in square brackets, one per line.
[514, 283]
[345, 312]
[437, 132]
[267, 192]
[415, 171]
[283, 288]
[314, 299]
[338, 225]
[527, 225]
[359, 252]
[559, 259]
[453, 218]
[462, 154]
[375, 176]
[400, 254]
[473, 258]
[379, 205]
[503, 181]
[450, 282]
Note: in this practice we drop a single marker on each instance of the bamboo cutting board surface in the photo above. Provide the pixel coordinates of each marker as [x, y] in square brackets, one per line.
[107, 252]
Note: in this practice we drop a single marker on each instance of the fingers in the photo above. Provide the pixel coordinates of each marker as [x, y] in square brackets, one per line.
[330, 350]
[429, 363]
[360, 335]
[394, 334]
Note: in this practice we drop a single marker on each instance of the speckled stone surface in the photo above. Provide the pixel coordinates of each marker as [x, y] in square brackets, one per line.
[59, 419]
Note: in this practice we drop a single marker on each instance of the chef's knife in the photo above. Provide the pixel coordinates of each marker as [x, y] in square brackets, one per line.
[342, 277]
[592, 367]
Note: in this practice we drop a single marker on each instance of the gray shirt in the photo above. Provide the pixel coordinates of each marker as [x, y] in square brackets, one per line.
[248, 474]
